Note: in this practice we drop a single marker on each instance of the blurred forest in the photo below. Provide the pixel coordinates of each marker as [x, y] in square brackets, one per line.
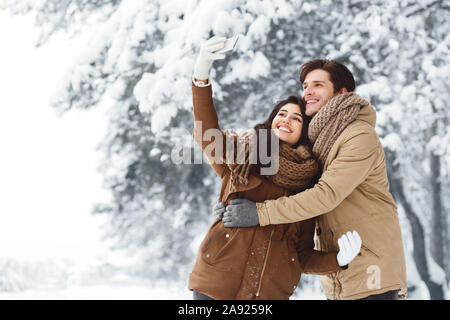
[140, 55]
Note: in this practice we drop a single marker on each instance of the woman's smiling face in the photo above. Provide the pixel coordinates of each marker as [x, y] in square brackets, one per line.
[288, 123]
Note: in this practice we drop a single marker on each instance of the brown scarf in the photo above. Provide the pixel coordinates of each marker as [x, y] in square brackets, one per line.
[296, 167]
[331, 120]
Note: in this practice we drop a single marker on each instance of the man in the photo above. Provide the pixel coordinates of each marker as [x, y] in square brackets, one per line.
[352, 193]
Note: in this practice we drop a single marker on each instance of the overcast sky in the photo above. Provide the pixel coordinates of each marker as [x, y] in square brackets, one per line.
[48, 165]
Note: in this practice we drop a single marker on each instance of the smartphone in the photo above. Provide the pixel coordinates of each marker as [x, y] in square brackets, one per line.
[229, 44]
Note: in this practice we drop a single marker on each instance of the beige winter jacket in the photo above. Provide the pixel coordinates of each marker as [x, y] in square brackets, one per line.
[352, 194]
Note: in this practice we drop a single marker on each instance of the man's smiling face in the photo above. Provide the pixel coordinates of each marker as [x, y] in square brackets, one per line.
[317, 90]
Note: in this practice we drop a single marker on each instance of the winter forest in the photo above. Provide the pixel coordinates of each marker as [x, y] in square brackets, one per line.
[139, 57]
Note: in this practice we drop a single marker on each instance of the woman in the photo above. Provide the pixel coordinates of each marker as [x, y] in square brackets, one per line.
[258, 262]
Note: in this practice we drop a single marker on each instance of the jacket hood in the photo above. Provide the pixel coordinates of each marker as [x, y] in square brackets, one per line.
[368, 114]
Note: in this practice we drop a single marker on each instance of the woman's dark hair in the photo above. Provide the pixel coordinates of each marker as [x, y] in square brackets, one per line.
[340, 76]
[267, 125]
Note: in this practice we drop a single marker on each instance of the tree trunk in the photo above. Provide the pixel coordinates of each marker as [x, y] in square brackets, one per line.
[437, 219]
[418, 234]
[439, 225]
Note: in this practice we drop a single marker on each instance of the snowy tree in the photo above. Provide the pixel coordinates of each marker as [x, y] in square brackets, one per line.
[411, 90]
[139, 58]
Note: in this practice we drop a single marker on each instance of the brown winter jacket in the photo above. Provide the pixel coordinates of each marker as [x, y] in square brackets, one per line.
[257, 262]
[352, 194]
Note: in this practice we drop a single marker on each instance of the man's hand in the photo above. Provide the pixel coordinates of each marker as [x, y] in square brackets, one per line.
[240, 213]
[219, 210]
[207, 56]
[349, 247]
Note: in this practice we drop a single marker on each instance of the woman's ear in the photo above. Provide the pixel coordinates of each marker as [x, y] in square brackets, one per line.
[343, 90]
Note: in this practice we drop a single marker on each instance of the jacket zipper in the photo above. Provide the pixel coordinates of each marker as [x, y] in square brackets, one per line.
[265, 262]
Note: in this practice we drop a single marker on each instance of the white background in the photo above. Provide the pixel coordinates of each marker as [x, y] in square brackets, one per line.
[48, 176]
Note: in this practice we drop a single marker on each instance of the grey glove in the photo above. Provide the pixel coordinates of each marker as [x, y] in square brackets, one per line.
[240, 213]
[219, 210]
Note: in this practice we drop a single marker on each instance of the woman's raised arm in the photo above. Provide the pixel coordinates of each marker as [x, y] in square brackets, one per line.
[207, 133]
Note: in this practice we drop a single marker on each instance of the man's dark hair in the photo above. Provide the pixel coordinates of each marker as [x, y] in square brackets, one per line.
[340, 76]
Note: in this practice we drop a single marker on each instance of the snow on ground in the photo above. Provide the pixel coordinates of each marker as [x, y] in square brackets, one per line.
[103, 292]
[123, 292]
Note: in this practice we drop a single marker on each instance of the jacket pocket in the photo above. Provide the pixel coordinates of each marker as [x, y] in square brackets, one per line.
[368, 249]
[368, 230]
[213, 233]
[226, 248]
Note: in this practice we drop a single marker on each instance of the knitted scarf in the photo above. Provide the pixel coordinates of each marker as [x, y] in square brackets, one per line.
[326, 126]
[296, 167]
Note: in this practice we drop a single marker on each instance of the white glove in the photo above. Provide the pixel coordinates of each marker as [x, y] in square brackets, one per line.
[207, 56]
[349, 247]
